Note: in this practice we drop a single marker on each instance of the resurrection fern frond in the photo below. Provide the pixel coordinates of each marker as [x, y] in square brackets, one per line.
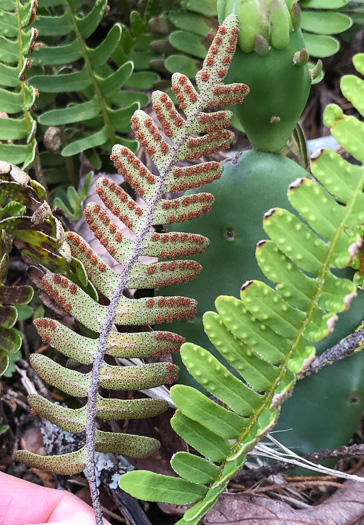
[267, 335]
[17, 127]
[197, 134]
[27, 217]
[10, 340]
[98, 84]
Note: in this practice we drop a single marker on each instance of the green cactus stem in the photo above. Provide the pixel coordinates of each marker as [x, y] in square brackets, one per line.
[271, 58]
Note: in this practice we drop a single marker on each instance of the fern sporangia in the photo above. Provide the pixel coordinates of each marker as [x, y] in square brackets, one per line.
[267, 335]
[104, 113]
[192, 136]
[17, 126]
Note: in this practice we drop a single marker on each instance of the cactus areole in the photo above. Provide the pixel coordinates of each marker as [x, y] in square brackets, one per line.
[272, 61]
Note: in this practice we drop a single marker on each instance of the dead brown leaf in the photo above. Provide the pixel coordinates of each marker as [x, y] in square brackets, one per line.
[344, 507]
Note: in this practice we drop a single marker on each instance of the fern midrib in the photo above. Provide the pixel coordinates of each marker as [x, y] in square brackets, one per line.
[270, 394]
[108, 324]
[27, 117]
[90, 70]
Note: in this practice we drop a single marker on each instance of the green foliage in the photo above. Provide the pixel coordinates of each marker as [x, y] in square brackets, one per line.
[198, 134]
[105, 111]
[320, 20]
[135, 46]
[71, 202]
[17, 126]
[267, 335]
[192, 22]
[183, 29]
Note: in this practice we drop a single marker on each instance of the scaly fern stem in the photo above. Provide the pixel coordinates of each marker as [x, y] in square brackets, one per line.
[107, 326]
[221, 480]
[90, 70]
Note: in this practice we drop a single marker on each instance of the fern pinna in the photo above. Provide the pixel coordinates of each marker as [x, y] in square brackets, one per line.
[200, 133]
[17, 127]
[267, 335]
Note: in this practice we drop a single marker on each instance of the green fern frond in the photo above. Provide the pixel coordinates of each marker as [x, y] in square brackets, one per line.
[196, 134]
[135, 46]
[267, 335]
[17, 126]
[97, 82]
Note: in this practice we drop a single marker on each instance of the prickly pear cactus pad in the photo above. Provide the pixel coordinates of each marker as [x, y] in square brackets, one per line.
[267, 335]
[250, 186]
[272, 59]
[190, 136]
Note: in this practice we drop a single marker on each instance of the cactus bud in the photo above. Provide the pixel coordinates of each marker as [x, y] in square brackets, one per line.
[316, 70]
[249, 23]
[301, 57]
[261, 46]
[280, 24]
[296, 16]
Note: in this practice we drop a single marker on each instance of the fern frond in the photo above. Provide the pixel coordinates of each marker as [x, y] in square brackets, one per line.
[267, 335]
[117, 204]
[99, 84]
[135, 46]
[26, 218]
[17, 126]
